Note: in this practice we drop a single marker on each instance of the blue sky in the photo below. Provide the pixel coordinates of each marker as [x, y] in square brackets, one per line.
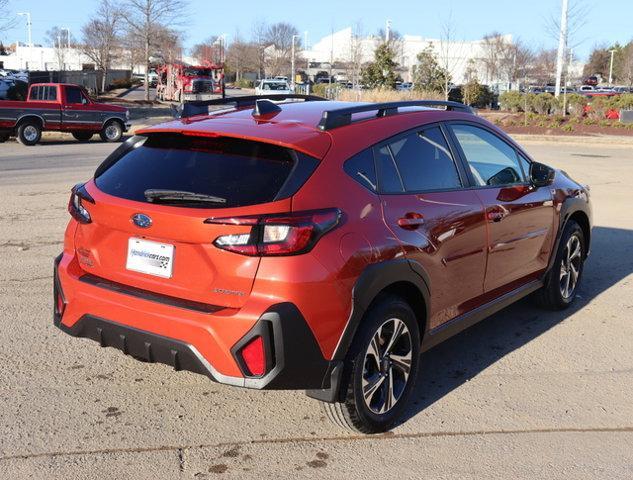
[606, 23]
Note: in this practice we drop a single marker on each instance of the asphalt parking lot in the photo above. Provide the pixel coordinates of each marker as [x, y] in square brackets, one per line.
[524, 394]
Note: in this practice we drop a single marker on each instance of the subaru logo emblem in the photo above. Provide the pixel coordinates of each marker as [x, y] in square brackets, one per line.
[141, 220]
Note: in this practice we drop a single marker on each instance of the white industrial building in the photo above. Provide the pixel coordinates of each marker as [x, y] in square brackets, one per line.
[40, 58]
[344, 47]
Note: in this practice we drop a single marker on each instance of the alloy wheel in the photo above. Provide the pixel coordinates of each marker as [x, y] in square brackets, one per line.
[387, 366]
[570, 267]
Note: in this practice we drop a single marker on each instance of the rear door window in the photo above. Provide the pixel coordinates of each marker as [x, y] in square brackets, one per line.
[425, 162]
[238, 171]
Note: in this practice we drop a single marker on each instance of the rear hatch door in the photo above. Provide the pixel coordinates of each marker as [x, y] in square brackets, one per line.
[160, 242]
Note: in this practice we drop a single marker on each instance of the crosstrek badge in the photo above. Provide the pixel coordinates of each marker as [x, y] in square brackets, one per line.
[149, 257]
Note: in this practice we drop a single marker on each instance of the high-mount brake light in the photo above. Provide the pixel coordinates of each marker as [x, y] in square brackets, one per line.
[276, 235]
[78, 195]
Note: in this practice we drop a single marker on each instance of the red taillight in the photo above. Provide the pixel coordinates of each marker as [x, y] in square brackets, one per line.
[270, 235]
[254, 357]
[76, 207]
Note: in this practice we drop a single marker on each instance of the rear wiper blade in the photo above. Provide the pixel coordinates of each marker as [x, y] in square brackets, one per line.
[158, 195]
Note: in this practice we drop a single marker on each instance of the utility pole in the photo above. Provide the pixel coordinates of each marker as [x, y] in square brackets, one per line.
[611, 68]
[562, 45]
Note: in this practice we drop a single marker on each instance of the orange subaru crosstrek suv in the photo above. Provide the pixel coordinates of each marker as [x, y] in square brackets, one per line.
[294, 243]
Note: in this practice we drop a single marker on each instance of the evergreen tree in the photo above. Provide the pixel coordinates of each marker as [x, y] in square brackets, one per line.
[428, 74]
[381, 73]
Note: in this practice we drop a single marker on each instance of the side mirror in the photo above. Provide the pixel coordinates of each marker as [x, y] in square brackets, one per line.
[541, 175]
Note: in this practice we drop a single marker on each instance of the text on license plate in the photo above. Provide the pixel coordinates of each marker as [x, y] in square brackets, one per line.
[149, 257]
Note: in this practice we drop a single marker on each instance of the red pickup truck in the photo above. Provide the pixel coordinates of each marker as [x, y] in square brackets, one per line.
[62, 108]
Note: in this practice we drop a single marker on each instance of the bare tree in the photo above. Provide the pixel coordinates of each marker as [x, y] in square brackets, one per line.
[515, 60]
[101, 38]
[494, 49]
[278, 40]
[209, 51]
[7, 20]
[450, 52]
[259, 41]
[356, 55]
[626, 70]
[167, 45]
[543, 68]
[241, 56]
[61, 40]
[147, 19]
[577, 18]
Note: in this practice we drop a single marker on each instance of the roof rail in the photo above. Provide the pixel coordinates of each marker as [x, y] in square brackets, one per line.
[201, 107]
[343, 116]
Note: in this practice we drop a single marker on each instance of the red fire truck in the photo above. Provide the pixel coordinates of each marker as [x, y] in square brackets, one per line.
[185, 83]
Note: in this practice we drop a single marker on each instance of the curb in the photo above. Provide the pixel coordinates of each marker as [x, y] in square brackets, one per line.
[611, 140]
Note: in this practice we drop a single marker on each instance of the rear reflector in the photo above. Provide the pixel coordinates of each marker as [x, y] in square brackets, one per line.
[254, 357]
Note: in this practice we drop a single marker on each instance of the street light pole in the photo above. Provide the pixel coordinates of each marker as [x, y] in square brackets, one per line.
[292, 66]
[562, 45]
[28, 26]
[67, 30]
[611, 68]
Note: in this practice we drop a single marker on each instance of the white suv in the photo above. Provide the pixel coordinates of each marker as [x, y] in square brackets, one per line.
[272, 85]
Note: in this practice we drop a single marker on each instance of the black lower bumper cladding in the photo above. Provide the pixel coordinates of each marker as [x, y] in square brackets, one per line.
[295, 360]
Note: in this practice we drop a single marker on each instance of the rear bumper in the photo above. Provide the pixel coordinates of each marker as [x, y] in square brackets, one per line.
[294, 360]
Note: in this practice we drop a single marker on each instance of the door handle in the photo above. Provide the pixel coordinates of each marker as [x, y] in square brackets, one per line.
[411, 221]
[498, 213]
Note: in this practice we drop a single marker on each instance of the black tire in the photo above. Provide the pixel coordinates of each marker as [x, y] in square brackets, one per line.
[353, 412]
[112, 132]
[553, 295]
[82, 136]
[29, 133]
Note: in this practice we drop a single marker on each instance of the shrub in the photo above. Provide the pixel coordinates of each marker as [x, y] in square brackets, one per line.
[476, 95]
[384, 95]
[605, 123]
[568, 127]
[576, 104]
[589, 121]
[624, 101]
[244, 83]
[511, 100]
[598, 108]
[542, 103]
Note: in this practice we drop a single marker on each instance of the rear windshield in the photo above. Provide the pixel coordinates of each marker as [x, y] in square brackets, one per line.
[239, 171]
